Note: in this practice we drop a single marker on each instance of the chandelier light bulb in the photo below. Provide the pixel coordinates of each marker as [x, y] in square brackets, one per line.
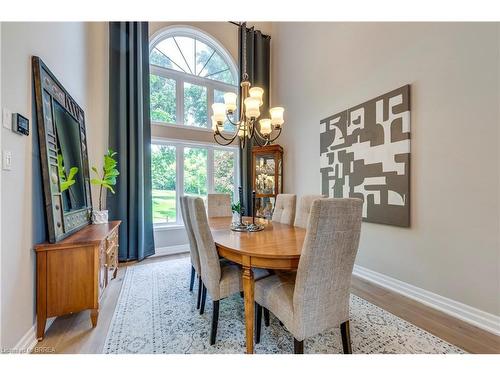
[214, 123]
[265, 126]
[230, 101]
[219, 110]
[277, 116]
[256, 92]
[252, 107]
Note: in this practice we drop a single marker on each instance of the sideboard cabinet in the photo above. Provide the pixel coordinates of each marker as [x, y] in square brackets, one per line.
[72, 274]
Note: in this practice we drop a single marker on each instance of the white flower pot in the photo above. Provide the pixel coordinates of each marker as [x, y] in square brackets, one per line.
[99, 217]
[236, 217]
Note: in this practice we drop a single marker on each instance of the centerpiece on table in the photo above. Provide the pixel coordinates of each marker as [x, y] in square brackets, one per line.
[238, 225]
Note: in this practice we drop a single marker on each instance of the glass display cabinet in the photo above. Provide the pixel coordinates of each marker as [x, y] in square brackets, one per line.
[267, 177]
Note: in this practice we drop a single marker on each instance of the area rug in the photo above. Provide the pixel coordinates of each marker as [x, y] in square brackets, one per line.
[156, 313]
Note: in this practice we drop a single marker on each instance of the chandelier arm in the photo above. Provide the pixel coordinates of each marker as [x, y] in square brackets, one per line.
[277, 136]
[224, 138]
[238, 123]
[256, 139]
[229, 141]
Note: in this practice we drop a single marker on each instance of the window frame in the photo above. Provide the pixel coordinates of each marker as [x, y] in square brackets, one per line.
[180, 145]
[180, 77]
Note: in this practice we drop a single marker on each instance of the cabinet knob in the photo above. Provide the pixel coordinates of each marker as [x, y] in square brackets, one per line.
[58, 224]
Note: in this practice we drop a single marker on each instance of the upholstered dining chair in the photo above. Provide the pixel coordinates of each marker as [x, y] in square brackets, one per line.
[219, 205]
[193, 249]
[284, 208]
[316, 297]
[304, 209]
[220, 279]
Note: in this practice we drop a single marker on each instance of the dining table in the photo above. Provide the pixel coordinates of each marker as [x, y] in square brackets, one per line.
[276, 247]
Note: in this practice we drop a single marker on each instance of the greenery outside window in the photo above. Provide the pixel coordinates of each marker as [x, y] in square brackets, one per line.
[189, 70]
[195, 169]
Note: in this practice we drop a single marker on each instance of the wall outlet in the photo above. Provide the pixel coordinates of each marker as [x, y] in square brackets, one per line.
[7, 118]
[7, 161]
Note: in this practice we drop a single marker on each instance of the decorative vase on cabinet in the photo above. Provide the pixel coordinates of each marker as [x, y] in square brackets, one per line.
[267, 178]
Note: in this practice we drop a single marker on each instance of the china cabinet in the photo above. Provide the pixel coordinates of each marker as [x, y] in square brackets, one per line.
[267, 178]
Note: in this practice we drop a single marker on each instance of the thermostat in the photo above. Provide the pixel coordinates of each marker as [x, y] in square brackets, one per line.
[20, 124]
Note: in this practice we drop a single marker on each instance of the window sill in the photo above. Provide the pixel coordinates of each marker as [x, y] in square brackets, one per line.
[163, 227]
[184, 127]
[189, 127]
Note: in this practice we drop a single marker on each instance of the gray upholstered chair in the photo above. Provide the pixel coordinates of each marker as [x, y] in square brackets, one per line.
[284, 208]
[193, 249]
[304, 209]
[219, 205]
[220, 279]
[316, 297]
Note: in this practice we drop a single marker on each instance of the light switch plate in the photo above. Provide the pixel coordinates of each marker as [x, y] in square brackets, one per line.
[7, 118]
[7, 161]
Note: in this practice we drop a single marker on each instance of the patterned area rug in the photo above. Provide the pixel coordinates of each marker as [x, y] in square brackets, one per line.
[156, 313]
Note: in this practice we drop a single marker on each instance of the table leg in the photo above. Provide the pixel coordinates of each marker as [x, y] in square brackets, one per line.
[248, 285]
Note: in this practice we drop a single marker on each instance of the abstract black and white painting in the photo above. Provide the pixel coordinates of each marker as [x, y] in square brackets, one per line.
[365, 153]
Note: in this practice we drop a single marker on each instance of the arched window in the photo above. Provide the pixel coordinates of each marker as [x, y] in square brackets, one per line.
[189, 70]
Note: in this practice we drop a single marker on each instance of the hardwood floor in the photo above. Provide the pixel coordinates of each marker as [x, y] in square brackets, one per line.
[73, 333]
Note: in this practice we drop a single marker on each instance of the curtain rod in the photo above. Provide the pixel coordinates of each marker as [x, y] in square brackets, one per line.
[248, 28]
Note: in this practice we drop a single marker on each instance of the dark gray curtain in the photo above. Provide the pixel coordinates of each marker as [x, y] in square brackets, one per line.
[258, 69]
[130, 136]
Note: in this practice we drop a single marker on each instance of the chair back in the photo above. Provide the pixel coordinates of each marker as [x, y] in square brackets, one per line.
[322, 285]
[284, 209]
[219, 205]
[209, 259]
[304, 209]
[193, 248]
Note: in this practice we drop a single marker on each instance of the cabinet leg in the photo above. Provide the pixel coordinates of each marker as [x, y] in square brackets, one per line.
[40, 326]
[94, 314]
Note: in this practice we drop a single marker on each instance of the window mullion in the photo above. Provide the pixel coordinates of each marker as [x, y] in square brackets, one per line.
[210, 101]
[179, 185]
[179, 101]
[210, 170]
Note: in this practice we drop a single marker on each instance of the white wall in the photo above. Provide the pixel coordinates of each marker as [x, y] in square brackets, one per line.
[452, 247]
[75, 53]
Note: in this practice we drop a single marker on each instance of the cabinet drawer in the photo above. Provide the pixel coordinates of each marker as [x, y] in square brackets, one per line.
[112, 257]
[112, 240]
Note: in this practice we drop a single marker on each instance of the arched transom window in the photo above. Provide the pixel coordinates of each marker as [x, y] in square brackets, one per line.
[189, 71]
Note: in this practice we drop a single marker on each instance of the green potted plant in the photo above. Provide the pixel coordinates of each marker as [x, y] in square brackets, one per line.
[236, 208]
[105, 180]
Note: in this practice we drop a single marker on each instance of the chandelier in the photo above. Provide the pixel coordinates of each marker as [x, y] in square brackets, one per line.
[250, 103]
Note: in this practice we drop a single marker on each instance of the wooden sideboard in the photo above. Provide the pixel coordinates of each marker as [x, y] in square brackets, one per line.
[72, 274]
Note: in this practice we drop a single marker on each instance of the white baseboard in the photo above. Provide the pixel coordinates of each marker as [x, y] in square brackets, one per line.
[29, 340]
[482, 319]
[169, 250]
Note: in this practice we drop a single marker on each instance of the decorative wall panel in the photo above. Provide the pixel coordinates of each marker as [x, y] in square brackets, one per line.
[365, 153]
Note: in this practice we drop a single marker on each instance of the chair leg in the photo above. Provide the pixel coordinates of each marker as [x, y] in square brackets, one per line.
[203, 298]
[200, 285]
[191, 283]
[346, 337]
[298, 346]
[215, 321]
[266, 317]
[258, 321]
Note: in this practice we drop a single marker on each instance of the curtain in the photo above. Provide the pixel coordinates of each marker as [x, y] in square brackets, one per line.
[258, 69]
[130, 137]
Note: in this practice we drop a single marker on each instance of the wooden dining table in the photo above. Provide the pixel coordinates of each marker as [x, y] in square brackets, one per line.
[277, 247]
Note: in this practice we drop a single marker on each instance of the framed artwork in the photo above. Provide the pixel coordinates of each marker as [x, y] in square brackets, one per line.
[365, 153]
